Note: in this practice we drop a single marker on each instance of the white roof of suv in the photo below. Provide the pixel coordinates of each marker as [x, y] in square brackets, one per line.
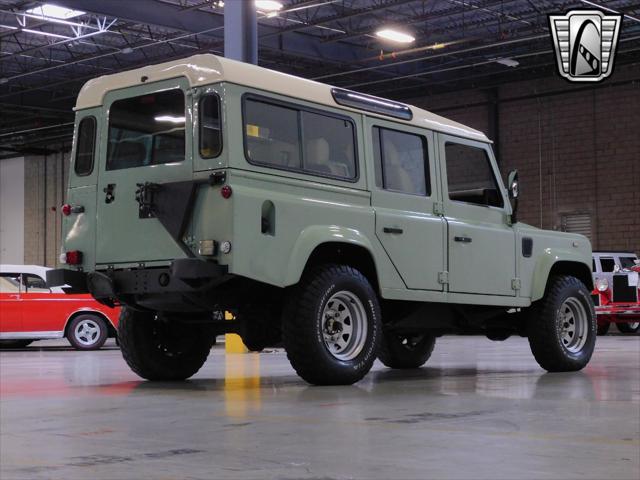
[206, 69]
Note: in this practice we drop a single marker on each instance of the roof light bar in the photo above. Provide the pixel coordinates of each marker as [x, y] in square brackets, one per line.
[370, 103]
[395, 35]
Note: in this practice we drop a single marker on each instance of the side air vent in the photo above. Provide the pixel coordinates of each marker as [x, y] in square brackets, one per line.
[370, 103]
[527, 247]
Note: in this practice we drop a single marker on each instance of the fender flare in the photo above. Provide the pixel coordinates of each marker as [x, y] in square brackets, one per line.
[314, 236]
[544, 265]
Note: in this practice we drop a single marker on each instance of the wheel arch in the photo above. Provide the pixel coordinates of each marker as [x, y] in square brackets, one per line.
[332, 244]
[111, 329]
[574, 268]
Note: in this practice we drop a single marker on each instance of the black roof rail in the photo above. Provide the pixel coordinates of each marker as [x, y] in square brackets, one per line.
[349, 98]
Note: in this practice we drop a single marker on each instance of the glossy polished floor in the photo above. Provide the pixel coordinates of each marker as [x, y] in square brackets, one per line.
[477, 410]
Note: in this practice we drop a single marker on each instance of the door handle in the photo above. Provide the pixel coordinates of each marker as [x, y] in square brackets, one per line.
[397, 231]
[463, 239]
[110, 196]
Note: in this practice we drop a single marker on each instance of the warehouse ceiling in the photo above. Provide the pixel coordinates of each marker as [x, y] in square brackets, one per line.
[44, 59]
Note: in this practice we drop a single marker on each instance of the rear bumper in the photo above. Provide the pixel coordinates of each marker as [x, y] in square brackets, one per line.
[184, 276]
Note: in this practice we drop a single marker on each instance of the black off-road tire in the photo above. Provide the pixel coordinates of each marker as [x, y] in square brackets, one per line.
[156, 350]
[629, 327]
[603, 329]
[87, 340]
[15, 343]
[545, 324]
[304, 324]
[405, 351]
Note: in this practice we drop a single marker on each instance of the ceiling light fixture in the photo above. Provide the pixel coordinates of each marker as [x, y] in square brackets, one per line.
[395, 35]
[268, 5]
[46, 34]
[507, 62]
[55, 11]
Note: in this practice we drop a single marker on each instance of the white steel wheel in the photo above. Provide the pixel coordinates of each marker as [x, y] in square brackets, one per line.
[573, 323]
[344, 328]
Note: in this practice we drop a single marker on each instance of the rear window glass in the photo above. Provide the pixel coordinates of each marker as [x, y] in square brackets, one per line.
[607, 264]
[147, 130]
[86, 146]
[294, 138]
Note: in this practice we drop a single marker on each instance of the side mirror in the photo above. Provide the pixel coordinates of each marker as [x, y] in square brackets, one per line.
[514, 191]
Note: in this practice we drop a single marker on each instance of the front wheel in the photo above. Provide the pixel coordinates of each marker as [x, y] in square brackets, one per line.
[331, 326]
[162, 350]
[562, 326]
[405, 351]
[629, 327]
[87, 332]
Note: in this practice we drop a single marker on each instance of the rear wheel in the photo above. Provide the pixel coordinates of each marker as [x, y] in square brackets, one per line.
[331, 326]
[162, 350]
[562, 326]
[629, 327]
[405, 351]
[87, 332]
[15, 343]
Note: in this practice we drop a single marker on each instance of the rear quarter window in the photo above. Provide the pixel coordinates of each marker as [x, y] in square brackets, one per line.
[85, 148]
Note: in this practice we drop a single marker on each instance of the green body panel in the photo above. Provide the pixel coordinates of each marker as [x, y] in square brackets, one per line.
[304, 211]
[122, 237]
[486, 265]
[549, 248]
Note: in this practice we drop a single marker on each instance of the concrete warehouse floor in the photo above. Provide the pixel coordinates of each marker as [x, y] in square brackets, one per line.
[477, 410]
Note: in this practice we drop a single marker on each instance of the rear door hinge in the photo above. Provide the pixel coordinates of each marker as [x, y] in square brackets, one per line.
[437, 208]
[443, 277]
[515, 284]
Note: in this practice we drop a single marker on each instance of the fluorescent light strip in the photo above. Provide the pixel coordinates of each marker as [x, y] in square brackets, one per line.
[47, 34]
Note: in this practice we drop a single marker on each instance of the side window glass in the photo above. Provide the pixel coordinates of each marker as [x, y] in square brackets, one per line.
[34, 284]
[470, 176]
[9, 283]
[210, 127]
[271, 133]
[401, 161]
[329, 147]
[627, 262]
[608, 265]
[147, 130]
[85, 148]
[593, 265]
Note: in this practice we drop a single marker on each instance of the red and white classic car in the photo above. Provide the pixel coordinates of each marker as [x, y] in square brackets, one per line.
[616, 294]
[30, 311]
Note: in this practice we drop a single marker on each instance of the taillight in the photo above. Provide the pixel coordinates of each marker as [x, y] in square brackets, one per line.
[226, 191]
[73, 257]
[69, 209]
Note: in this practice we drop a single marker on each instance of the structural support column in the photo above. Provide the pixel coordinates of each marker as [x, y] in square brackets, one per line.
[241, 31]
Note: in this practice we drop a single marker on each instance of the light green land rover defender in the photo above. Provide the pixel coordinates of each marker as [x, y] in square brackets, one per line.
[344, 226]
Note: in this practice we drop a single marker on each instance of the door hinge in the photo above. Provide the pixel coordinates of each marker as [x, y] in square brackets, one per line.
[515, 284]
[443, 277]
[437, 208]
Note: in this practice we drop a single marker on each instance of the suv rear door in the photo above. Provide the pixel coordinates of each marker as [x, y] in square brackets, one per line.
[146, 137]
[404, 195]
[481, 244]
